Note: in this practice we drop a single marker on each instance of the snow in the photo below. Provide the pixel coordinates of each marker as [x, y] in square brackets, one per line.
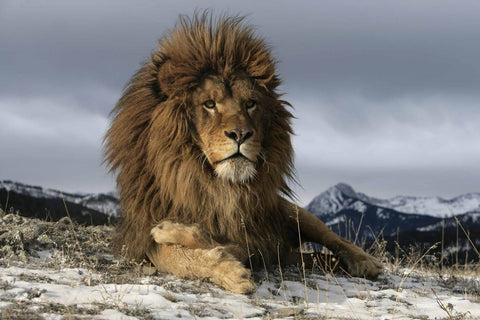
[336, 198]
[328, 202]
[475, 216]
[436, 206]
[80, 278]
[432, 227]
[405, 295]
[359, 206]
[433, 206]
[335, 221]
[467, 219]
[112, 314]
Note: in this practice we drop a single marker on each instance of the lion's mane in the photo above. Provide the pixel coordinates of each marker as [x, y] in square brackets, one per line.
[151, 145]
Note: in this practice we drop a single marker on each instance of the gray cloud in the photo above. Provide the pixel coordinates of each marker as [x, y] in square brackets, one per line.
[386, 93]
[384, 182]
[52, 142]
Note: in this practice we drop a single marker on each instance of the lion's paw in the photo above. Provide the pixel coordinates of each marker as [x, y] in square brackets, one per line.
[361, 264]
[166, 232]
[187, 235]
[235, 277]
[230, 273]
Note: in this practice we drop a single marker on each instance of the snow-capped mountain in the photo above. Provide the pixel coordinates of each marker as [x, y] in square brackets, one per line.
[341, 208]
[467, 219]
[351, 214]
[434, 206]
[403, 222]
[336, 198]
[106, 203]
[343, 196]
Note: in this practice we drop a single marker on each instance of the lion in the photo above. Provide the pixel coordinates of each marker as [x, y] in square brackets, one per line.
[200, 142]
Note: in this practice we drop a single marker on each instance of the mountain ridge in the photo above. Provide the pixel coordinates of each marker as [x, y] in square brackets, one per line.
[347, 212]
[356, 216]
[106, 202]
[331, 201]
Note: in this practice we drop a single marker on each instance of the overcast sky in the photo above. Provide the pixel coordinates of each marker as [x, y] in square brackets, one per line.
[386, 93]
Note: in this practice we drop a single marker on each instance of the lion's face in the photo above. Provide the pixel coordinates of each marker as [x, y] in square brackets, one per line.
[228, 120]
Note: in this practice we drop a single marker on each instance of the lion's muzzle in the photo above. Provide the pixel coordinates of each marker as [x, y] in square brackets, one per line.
[239, 135]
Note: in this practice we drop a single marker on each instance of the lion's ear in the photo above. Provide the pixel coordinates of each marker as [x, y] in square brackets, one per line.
[174, 78]
[166, 77]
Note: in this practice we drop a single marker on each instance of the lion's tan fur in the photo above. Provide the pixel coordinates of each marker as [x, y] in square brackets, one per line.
[182, 211]
[151, 143]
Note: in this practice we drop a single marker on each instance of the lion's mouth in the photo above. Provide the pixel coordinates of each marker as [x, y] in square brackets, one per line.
[237, 168]
[234, 156]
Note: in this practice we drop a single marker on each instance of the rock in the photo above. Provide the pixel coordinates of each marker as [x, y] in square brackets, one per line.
[45, 241]
[12, 219]
[32, 231]
[13, 238]
[287, 312]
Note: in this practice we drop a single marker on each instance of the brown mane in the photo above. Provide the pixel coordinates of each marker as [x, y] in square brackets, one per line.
[152, 142]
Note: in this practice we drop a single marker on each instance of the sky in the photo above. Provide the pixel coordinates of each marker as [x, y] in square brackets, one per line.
[386, 94]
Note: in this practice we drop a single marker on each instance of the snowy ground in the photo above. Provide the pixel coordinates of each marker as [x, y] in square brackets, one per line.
[62, 271]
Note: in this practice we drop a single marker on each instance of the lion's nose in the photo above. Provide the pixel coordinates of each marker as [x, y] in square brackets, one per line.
[239, 135]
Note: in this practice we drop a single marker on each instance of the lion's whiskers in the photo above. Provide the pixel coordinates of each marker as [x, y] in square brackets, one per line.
[265, 161]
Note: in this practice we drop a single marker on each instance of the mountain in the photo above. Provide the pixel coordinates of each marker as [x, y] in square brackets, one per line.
[434, 206]
[331, 201]
[50, 204]
[341, 208]
[402, 221]
[351, 214]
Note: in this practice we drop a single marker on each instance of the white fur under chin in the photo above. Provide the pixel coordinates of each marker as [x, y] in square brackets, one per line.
[236, 170]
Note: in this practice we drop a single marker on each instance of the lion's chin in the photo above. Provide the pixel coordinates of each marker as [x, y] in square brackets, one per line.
[236, 170]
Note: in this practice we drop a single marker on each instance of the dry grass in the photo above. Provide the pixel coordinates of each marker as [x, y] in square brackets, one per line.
[74, 246]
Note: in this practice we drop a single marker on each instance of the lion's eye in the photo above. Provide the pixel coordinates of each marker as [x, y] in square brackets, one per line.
[209, 104]
[250, 104]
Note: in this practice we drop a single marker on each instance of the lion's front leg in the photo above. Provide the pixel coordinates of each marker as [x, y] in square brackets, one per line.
[358, 262]
[216, 264]
[188, 251]
[194, 237]
[190, 236]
